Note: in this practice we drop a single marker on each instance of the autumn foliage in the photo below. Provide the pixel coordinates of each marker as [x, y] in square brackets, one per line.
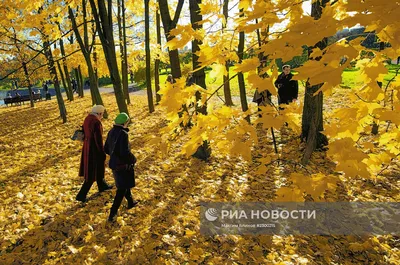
[41, 223]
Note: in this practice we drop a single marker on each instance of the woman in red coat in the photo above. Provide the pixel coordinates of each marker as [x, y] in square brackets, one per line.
[93, 155]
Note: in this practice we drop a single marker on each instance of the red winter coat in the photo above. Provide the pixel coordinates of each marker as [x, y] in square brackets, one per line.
[93, 155]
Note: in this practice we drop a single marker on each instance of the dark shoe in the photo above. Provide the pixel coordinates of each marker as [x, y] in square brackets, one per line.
[112, 217]
[132, 204]
[106, 187]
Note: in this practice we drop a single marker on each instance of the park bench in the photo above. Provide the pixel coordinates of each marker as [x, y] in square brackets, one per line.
[21, 99]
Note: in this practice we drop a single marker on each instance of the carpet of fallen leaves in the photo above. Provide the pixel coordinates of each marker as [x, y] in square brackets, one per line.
[41, 223]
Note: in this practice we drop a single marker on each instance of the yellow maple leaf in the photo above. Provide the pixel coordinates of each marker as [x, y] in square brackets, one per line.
[247, 65]
[261, 84]
[217, 71]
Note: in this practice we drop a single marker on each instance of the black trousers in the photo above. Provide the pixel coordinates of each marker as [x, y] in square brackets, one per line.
[101, 184]
[119, 196]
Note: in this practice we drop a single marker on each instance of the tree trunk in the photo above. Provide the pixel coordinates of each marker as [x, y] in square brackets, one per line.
[242, 87]
[76, 75]
[147, 48]
[122, 48]
[312, 120]
[104, 28]
[28, 81]
[125, 64]
[157, 61]
[170, 24]
[62, 78]
[204, 151]
[67, 81]
[86, 51]
[312, 137]
[53, 74]
[95, 66]
[199, 75]
[227, 87]
[80, 82]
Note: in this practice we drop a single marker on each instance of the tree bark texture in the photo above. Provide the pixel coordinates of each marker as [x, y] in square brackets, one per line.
[170, 24]
[67, 79]
[147, 48]
[86, 49]
[227, 86]
[157, 61]
[28, 81]
[54, 77]
[103, 18]
[312, 119]
[242, 87]
[122, 49]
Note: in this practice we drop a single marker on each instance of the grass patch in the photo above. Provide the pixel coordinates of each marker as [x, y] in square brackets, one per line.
[393, 67]
[351, 78]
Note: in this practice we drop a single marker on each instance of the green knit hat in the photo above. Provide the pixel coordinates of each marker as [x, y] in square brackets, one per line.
[121, 118]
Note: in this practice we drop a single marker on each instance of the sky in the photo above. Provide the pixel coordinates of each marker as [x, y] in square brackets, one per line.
[233, 6]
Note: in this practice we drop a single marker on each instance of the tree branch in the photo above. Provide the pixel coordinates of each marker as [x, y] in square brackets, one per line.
[177, 13]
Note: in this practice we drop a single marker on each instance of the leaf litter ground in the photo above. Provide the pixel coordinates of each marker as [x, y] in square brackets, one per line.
[41, 223]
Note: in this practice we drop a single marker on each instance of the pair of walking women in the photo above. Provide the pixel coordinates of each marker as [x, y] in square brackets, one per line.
[121, 162]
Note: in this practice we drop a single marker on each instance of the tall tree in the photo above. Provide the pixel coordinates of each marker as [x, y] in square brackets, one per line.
[28, 81]
[52, 68]
[157, 61]
[62, 77]
[242, 86]
[170, 24]
[198, 74]
[87, 48]
[54, 77]
[67, 80]
[204, 151]
[79, 80]
[312, 120]
[147, 48]
[227, 88]
[24, 66]
[122, 47]
[103, 18]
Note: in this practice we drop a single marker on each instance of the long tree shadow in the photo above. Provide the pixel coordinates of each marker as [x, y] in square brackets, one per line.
[175, 224]
[37, 245]
[166, 221]
[320, 249]
[37, 166]
[47, 238]
[37, 238]
[156, 215]
[341, 249]
[176, 215]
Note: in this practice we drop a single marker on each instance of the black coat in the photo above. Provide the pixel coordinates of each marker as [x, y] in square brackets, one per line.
[122, 160]
[288, 89]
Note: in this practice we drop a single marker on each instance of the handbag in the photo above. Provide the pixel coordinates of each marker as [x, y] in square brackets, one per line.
[78, 135]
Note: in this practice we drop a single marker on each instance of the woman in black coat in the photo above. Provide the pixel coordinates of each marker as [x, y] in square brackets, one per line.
[288, 89]
[122, 163]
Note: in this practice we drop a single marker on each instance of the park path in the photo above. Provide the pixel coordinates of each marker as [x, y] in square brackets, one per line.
[134, 90]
